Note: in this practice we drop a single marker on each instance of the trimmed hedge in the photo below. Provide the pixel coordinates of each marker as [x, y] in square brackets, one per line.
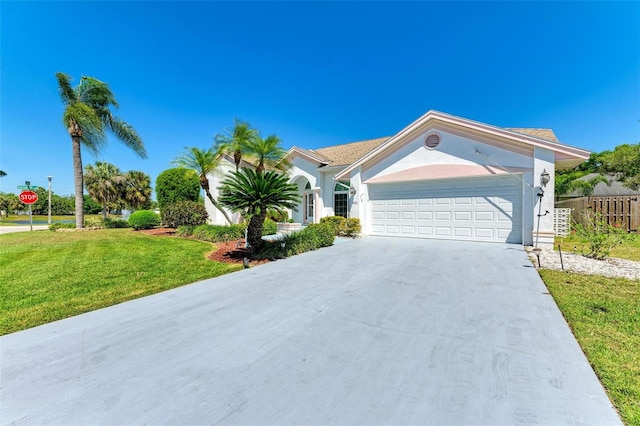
[144, 219]
[310, 238]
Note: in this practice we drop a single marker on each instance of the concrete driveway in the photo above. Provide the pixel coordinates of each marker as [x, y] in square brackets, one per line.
[373, 331]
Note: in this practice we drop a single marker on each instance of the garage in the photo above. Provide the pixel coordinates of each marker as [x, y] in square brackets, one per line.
[479, 209]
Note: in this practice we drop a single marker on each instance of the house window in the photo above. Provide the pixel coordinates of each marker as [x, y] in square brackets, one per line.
[341, 199]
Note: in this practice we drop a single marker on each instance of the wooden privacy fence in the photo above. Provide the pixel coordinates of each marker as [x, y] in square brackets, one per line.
[624, 209]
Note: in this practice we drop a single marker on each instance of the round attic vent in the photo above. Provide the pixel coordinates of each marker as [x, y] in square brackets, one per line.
[432, 141]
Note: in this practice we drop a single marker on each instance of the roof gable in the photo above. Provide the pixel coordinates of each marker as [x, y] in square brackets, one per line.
[566, 156]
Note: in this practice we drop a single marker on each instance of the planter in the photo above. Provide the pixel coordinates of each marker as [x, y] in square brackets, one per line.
[288, 227]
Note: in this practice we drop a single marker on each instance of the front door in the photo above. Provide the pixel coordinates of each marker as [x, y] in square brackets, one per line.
[308, 207]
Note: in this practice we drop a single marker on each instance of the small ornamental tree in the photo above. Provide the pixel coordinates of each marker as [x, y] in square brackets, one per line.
[178, 184]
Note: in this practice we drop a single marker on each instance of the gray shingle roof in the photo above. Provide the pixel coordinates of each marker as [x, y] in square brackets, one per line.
[343, 155]
[546, 134]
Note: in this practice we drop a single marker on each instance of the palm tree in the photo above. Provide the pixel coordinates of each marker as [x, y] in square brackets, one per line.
[267, 152]
[87, 116]
[2, 173]
[235, 141]
[104, 184]
[137, 189]
[204, 163]
[254, 193]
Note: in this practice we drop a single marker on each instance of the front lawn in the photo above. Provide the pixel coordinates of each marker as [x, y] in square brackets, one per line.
[604, 315]
[46, 276]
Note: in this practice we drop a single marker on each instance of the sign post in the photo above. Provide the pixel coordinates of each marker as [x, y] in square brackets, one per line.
[29, 197]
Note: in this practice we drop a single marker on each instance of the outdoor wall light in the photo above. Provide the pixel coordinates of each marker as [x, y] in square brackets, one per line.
[352, 191]
[544, 178]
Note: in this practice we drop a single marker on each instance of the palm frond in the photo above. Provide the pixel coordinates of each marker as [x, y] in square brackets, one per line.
[89, 124]
[128, 136]
[96, 93]
[67, 94]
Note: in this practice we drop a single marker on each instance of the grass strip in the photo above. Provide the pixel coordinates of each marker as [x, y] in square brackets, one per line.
[604, 315]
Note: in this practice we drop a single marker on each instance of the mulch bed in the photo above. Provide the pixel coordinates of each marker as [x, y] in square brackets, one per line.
[225, 252]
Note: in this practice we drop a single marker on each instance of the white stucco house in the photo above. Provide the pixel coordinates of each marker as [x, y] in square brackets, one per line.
[441, 177]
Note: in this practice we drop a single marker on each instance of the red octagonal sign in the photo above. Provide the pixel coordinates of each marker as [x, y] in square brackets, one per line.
[28, 197]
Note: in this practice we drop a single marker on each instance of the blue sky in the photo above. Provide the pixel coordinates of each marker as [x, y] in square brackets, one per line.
[314, 73]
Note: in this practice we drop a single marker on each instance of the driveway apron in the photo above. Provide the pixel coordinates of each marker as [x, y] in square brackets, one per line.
[373, 331]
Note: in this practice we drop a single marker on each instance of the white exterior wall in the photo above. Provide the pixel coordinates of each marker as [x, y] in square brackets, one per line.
[453, 149]
[215, 216]
[544, 159]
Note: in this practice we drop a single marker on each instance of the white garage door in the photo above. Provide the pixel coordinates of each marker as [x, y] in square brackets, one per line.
[479, 209]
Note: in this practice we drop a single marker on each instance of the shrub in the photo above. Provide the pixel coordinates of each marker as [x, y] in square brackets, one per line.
[322, 234]
[57, 225]
[116, 223]
[274, 215]
[184, 213]
[144, 219]
[337, 222]
[218, 233]
[352, 227]
[185, 231]
[178, 184]
[601, 237]
[348, 227]
[91, 222]
[269, 227]
[311, 238]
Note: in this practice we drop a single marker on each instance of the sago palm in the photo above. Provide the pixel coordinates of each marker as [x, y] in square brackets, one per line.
[254, 193]
[204, 163]
[87, 117]
[235, 141]
[104, 183]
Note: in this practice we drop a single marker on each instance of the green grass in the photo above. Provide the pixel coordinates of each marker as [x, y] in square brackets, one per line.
[629, 249]
[46, 276]
[604, 315]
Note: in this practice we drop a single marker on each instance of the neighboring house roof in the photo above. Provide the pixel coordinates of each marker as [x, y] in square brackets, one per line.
[546, 134]
[602, 189]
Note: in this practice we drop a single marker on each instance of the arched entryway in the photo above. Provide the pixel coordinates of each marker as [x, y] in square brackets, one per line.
[306, 211]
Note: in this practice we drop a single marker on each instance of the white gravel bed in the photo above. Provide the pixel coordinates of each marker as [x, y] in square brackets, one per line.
[609, 267]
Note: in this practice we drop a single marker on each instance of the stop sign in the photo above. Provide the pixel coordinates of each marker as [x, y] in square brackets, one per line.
[28, 197]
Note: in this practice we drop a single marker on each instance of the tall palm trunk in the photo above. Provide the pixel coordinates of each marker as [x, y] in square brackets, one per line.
[254, 230]
[78, 180]
[204, 183]
[217, 206]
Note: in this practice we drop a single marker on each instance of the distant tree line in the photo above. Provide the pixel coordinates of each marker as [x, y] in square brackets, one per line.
[623, 164]
[109, 190]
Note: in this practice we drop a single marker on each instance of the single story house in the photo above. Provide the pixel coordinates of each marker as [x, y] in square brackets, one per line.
[441, 177]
